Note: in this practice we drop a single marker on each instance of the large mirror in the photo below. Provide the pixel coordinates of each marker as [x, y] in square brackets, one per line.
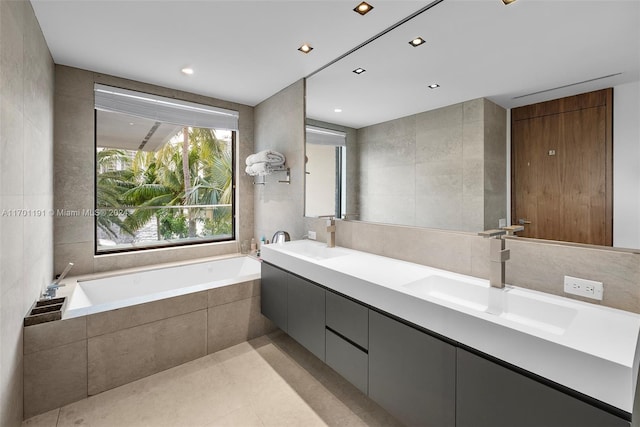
[440, 156]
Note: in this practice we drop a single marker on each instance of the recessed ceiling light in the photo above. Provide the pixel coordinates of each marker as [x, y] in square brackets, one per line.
[187, 70]
[416, 42]
[337, 110]
[508, 1]
[434, 86]
[363, 8]
[359, 70]
[305, 48]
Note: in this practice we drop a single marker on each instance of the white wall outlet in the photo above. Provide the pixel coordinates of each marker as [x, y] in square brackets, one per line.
[312, 235]
[583, 287]
[502, 222]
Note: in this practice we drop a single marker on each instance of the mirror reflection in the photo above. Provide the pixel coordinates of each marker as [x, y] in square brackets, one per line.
[441, 157]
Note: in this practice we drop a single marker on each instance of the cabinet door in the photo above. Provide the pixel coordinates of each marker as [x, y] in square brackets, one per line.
[306, 314]
[273, 295]
[411, 374]
[493, 396]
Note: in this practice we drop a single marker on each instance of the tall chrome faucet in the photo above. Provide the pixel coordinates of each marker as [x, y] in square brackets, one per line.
[498, 255]
[331, 229]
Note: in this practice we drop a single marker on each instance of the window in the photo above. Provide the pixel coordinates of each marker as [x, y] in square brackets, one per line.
[325, 153]
[164, 171]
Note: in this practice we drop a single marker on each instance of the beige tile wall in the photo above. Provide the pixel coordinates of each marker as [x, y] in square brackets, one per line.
[26, 158]
[74, 172]
[55, 365]
[279, 125]
[536, 265]
[445, 167]
[101, 351]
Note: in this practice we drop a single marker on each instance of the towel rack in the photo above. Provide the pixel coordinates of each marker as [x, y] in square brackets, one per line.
[287, 180]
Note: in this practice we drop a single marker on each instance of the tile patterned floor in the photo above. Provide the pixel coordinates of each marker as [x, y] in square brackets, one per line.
[269, 381]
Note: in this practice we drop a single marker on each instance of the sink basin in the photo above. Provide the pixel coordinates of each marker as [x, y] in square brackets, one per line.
[313, 250]
[511, 305]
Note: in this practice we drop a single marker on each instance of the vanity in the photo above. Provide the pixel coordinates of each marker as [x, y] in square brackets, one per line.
[443, 349]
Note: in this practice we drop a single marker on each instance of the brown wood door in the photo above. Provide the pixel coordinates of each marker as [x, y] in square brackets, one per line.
[562, 170]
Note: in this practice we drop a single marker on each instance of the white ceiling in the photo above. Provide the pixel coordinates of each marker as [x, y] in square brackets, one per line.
[245, 51]
[242, 51]
[481, 48]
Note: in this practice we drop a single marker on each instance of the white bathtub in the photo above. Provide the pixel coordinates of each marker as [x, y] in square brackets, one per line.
[97, 294]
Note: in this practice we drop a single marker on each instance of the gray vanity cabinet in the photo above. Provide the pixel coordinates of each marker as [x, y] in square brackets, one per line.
[273, 295]
[306, 314]
[411, 374]
[490, 395]
[347, 339]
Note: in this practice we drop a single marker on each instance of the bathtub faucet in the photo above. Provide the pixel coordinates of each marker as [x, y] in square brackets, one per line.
[51, 290]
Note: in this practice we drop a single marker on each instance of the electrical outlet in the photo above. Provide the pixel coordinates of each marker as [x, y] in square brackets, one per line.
[312, 235]
[502, 222]
[583, 287]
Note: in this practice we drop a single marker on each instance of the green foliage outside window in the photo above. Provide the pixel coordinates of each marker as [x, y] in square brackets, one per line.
[134, 188]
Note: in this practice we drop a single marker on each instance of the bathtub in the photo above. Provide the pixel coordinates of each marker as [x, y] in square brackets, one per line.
[97, 293]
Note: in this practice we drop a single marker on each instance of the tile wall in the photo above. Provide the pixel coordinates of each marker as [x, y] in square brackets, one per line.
[445, 167]
[279, 126]
[74, 173]
[26, 189]
[68, 360]
[534, 264]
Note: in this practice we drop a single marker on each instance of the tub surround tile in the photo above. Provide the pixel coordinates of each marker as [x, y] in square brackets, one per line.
[119, 261]
[232, 293]
[257, 383]
[55, 377]
[121, 357]
[136, 315]
[49, 335]
[236, 322]
[81, 254]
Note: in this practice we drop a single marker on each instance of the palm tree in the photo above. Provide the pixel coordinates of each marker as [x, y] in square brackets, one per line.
[201, 174]
[112, 182]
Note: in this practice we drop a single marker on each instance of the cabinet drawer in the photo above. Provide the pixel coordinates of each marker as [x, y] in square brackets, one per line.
[348, 318]
[347, 360]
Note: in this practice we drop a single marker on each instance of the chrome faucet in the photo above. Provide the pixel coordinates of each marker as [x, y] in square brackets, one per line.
[50, 291]
[331, 229]
[498, 255]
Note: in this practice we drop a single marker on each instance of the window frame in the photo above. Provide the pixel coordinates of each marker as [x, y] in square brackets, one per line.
[177, 243]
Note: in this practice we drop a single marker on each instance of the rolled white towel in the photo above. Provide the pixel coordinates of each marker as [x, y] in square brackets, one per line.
[261, 168]
[267, 156]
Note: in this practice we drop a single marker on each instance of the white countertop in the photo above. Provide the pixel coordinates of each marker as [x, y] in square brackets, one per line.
[586, 347]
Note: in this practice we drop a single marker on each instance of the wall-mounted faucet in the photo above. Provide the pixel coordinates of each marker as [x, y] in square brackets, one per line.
[50, 291]
[331, 229]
